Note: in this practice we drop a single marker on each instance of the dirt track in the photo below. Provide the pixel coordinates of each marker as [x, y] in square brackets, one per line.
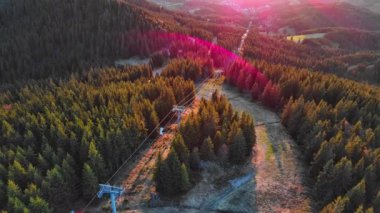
[278, 184]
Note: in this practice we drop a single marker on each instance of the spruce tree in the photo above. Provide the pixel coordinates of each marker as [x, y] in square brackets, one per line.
[248, 127]
[37, 204]
[324, 154]
[89, 182]
[207, 150]
[356, 196]
[190, 131]
[325, 183]
[164, 104]
[96, 162]
[174, 166]
[32, 191]
[340, 204]
[236, 149]
[185, 180]
[158, 174]
[195, 159]
[353, 149]
[343, 175]
[54, 186]
[218, 141]
[69, 175]
[16, 205]
[181, 149]
[163, 177]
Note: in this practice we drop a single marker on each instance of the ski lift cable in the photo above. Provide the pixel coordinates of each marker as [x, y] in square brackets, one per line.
[147, 137]
[158, 126]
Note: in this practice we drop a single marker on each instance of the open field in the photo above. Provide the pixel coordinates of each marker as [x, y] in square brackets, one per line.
[301, 38]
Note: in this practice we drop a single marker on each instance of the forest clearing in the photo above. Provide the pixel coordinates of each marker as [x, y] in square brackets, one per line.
[301, 38]
[278, 181]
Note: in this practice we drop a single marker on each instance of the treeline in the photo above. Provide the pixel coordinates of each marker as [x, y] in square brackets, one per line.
[249, 79]
[215, 133]
[355, 39]
[336, 123]
[45, 38]
[59, 139]
[309, 56]
[307, 16]
[189, 69]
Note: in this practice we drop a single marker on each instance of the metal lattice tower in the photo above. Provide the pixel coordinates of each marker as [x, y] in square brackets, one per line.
[113, 191]
[179, 110]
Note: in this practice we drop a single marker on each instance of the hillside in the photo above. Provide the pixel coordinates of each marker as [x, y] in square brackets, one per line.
[123, 93]
[39, 39]
[310, 16]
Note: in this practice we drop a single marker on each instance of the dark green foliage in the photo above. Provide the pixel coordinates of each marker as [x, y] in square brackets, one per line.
[165, 102]
[218, 141]
[191, 132]
[356, 196]
[52, 43]
[207, 150]
[175, 170]
[208, 119]
[185, 180]
[188, 69]
[237, 148]
[54, 187]
[171, 177]
[37, 204]
[54, 128]
[195, 159]
[89, 182]
[248, 127]
[333, 180]
[339, 126]
[96, 161]
[160, 173]
[181, 149]
[340, 204]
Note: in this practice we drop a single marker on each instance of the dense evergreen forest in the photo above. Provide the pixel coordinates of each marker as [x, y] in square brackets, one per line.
[314, 56]
[39, 39]
[312, 14]
[335, 121]
[215, 133]
[60, 136]
[60, 139]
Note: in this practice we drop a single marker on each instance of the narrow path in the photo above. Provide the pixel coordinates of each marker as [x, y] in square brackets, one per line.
[139, 184]
[240, 49]
[278, 183]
